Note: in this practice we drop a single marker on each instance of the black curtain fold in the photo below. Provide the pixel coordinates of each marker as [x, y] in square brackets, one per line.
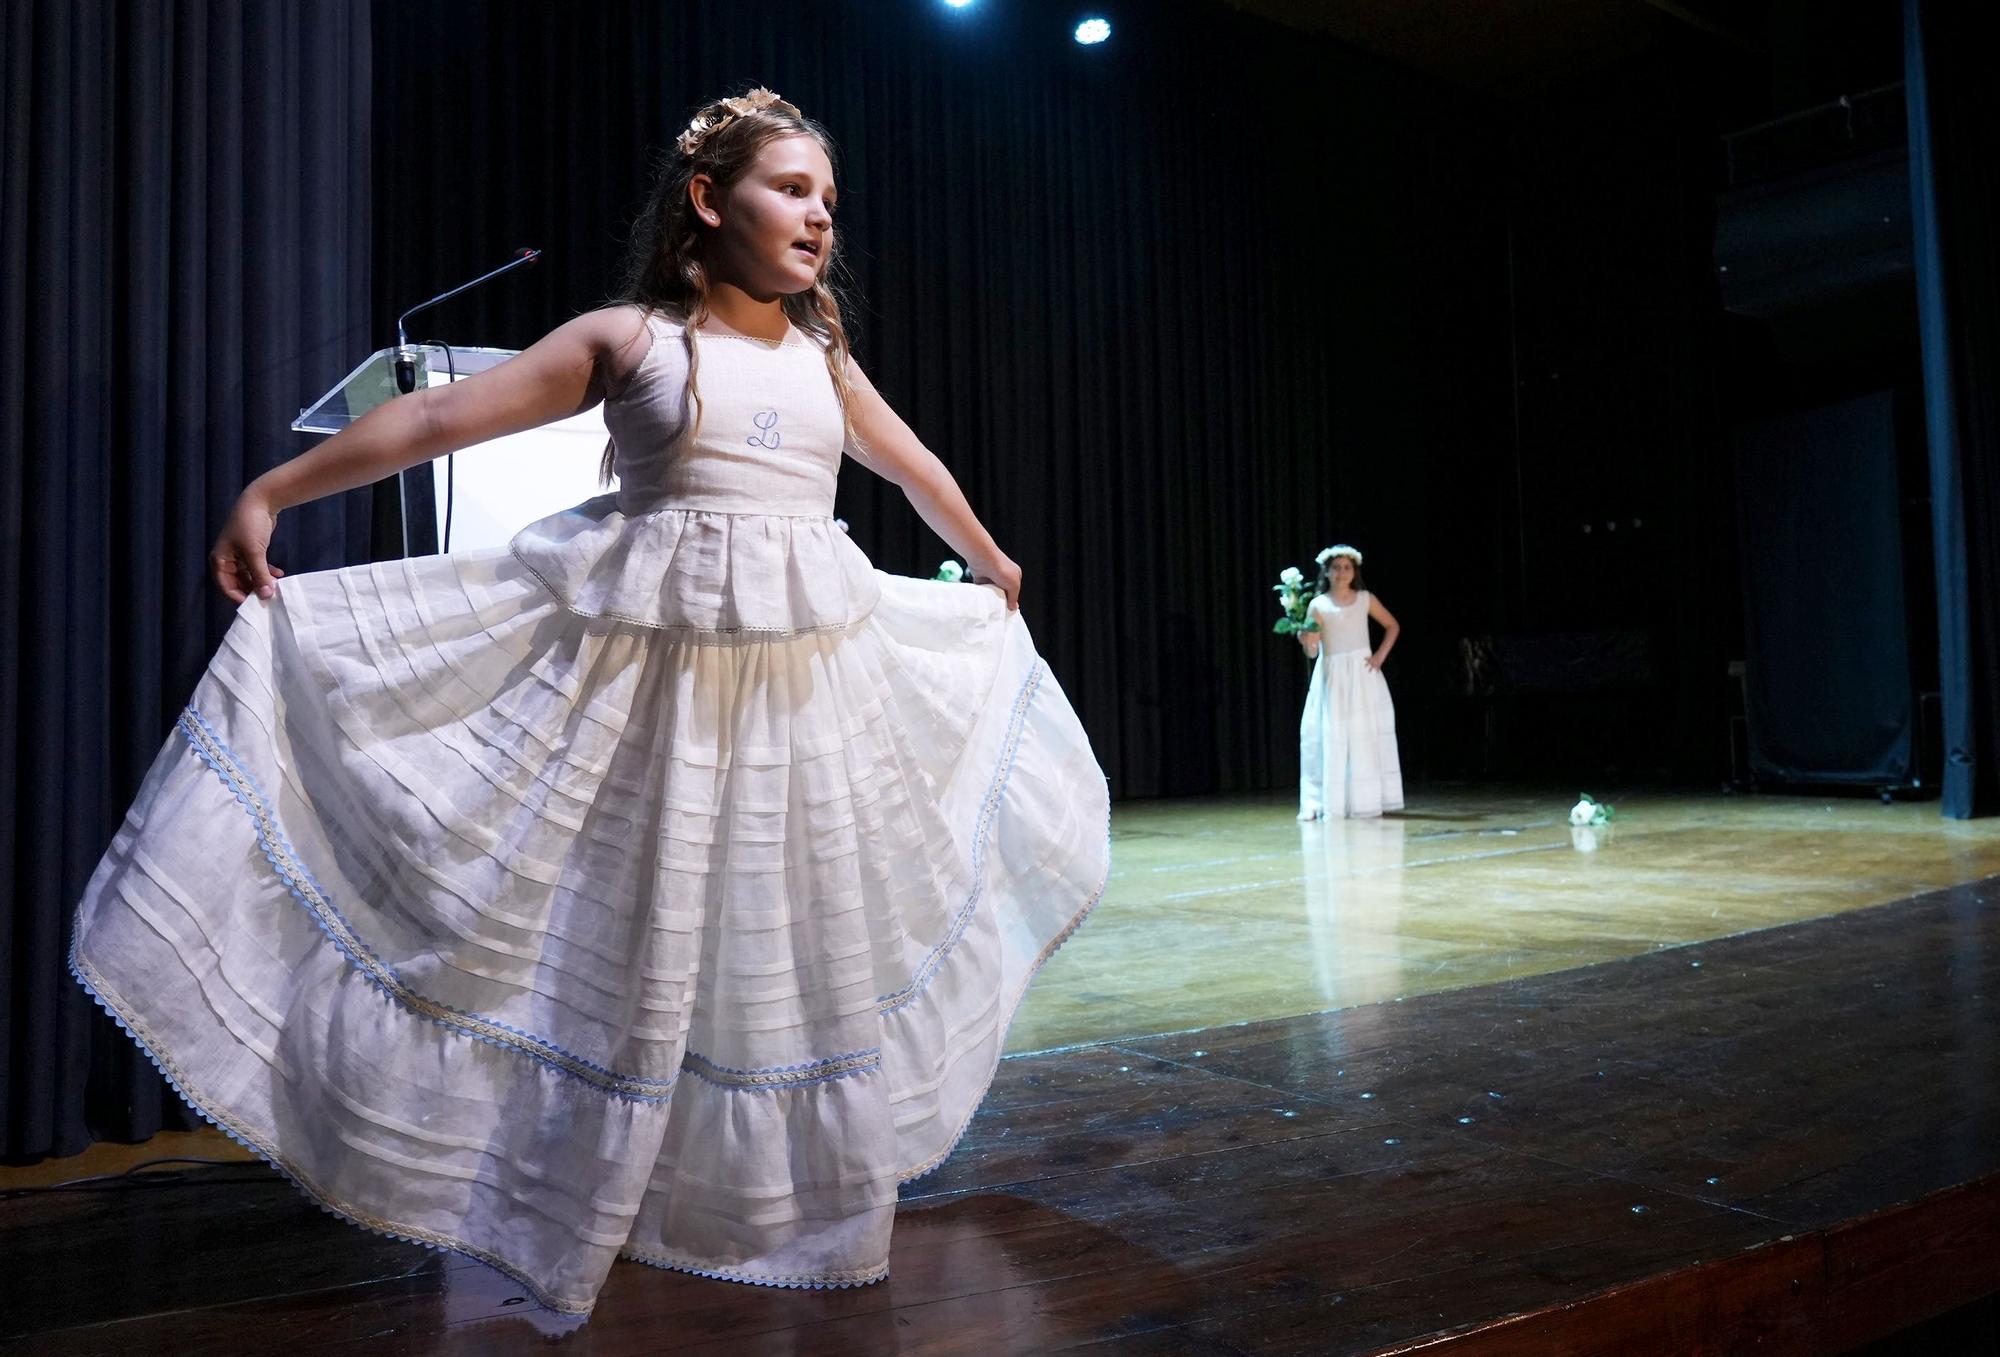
[186, 264]
[1816, 493]
[1955, 214]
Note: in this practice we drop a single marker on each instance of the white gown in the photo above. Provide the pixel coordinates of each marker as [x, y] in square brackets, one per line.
[1348, 763]
[661, 887]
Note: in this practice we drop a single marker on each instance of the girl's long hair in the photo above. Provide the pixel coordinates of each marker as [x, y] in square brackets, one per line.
[666, 265]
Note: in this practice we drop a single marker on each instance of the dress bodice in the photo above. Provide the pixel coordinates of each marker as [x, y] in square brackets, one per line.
[722, 526]
[1343, 627]
[766, 433]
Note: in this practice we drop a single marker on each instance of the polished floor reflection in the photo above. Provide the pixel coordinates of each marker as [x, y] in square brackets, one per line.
[1229, 910]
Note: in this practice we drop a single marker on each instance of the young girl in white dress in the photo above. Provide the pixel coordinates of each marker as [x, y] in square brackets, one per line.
[1348, 764]
[660, 887]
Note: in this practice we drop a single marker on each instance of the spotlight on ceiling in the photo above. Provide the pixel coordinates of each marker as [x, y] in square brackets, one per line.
[1092, 31]
[957, 4]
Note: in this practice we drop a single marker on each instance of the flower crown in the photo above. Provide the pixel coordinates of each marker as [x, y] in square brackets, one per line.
[1341, 550]
[706, 124]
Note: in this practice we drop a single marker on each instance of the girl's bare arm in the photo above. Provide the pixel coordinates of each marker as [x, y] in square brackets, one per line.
[891, 450]
[559, 375]
[1390, 627]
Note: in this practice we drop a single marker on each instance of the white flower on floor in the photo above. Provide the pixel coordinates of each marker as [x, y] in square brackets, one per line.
[1583, 838]
[1589, 813]
[951, 572]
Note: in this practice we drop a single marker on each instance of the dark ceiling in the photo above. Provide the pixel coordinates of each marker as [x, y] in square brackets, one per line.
[1514, 48]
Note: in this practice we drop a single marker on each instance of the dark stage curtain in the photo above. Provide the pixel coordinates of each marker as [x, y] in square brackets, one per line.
[1177, 311]
[1955, 196]
[184, 192]
[1616, 505]
[1827, 691]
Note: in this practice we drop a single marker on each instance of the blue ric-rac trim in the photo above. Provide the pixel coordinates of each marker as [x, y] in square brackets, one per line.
[784, 1076]
[206, 742]
[108, 999]
[996, 791]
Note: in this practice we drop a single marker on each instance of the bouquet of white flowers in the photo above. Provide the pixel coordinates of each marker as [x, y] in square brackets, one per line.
[1293, 603]
[951, 572]
[1590, 813]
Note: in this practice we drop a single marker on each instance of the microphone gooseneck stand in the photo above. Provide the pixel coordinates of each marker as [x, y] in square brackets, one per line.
[404, 362]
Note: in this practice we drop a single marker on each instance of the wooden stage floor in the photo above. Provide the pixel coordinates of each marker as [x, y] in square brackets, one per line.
[1224, 911]
[1421, 1084]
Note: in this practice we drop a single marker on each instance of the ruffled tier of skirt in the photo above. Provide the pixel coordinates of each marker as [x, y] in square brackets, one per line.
[713, 577]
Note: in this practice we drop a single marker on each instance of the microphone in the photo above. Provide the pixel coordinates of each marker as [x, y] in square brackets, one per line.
[404, 358]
